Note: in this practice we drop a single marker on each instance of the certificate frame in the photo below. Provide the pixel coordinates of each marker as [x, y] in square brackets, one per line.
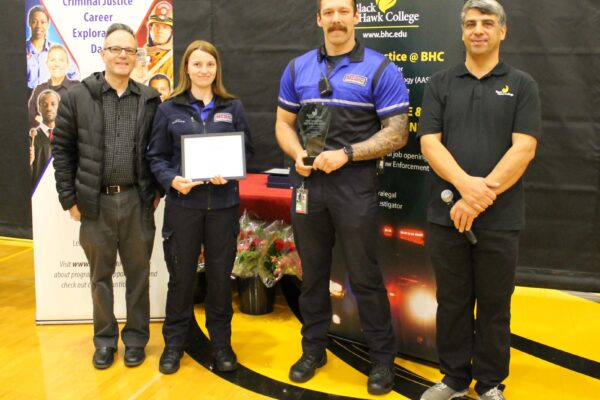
[204, 156]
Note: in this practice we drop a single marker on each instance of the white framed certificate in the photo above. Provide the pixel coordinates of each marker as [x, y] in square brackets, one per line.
[205, 156]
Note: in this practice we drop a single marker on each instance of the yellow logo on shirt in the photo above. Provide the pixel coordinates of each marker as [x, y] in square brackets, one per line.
[504, 92]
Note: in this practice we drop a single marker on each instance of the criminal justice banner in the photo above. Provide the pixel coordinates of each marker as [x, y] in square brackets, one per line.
[63, 43]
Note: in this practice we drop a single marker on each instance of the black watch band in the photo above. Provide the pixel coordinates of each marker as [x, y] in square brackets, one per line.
[349, 152]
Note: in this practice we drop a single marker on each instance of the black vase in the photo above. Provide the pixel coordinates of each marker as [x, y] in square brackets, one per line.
[255, 297]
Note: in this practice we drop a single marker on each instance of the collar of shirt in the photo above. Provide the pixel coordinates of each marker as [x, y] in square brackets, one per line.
[44, 128]
[32, 50]
[203, 110]
[356, 55]
[131, 88]
[499, 70]
[60, 85]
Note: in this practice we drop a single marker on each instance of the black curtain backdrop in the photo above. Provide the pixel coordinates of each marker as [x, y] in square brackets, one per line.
[558, 44]
[15, 186]
[555, 41]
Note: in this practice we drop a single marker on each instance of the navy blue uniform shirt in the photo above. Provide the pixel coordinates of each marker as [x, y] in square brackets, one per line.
[179, 116]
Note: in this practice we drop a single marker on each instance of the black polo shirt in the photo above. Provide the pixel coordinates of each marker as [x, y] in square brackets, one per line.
[477, 118]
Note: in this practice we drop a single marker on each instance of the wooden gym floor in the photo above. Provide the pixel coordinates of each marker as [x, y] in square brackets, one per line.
[555, 355]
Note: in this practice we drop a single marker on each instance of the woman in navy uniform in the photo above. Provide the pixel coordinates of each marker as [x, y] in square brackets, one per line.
[197, 214]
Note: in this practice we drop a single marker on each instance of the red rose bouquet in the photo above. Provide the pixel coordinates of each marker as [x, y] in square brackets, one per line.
[268, 252]
[280, 256]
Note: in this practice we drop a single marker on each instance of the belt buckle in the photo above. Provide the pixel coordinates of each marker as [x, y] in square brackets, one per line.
[113, 189]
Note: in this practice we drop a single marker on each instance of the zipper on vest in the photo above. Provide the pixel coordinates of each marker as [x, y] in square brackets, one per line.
[194, 124]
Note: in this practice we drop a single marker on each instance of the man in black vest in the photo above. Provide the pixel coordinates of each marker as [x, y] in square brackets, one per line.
[103, 180]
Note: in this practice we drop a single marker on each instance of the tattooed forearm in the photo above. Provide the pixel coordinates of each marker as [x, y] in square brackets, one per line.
[392, 136]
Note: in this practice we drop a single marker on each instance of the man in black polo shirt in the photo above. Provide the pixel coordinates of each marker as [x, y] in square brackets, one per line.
[102, 178]
[478, 130]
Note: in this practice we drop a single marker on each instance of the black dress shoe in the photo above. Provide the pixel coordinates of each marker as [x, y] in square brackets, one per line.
[381, 379]
[225, 360]
[103, 357]
[134, 356]
[305, 367]
[169, 360]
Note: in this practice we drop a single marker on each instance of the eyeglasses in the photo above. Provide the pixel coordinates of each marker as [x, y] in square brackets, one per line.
[118, 49]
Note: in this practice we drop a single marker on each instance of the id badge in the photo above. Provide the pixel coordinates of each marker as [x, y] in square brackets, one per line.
[302, 200]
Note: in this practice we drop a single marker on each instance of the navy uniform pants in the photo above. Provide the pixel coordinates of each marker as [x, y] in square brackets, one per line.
[185, 231]
[474, 290]
[342, 206]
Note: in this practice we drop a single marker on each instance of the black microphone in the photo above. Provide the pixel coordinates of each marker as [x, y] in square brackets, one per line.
[448, 198]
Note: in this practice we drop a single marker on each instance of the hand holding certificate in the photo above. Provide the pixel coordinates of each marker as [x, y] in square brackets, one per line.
[216, 155]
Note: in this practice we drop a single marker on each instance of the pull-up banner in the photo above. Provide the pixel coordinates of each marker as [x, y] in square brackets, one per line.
[420, 38]
[64, 40]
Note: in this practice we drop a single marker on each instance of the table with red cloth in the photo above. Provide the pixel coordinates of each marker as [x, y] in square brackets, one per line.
[269, 204]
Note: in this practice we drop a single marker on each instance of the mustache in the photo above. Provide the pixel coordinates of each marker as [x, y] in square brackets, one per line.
[337, 27]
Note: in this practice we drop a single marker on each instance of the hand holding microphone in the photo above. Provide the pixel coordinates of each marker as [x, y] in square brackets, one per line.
[448, 198]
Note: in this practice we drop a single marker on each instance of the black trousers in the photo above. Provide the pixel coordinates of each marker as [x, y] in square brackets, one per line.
[481, 279]
[125, 225]
[185, 231]
[342, 205]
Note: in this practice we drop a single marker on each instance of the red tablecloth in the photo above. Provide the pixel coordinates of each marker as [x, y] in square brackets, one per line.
[267, 203]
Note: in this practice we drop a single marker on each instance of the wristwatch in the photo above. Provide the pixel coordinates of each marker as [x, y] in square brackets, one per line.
[349, 152]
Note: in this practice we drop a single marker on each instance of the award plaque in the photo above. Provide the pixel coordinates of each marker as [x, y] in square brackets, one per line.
[313, 123]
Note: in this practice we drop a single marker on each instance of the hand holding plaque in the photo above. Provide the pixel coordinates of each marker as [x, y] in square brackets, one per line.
[313, 123]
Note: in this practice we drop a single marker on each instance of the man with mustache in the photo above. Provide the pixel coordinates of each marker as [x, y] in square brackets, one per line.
[335, 198]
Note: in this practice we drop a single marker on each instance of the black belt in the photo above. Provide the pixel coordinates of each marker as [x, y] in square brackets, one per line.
[114, 189]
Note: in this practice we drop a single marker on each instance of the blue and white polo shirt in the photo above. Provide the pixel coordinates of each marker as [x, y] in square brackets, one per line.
[367, 88]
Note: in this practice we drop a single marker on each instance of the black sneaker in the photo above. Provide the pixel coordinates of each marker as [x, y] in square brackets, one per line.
[381, 379]
[305, 367]
[169, 360]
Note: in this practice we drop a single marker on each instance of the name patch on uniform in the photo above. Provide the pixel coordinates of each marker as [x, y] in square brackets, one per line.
[178, 121]
[356, 79]
[223, 117]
